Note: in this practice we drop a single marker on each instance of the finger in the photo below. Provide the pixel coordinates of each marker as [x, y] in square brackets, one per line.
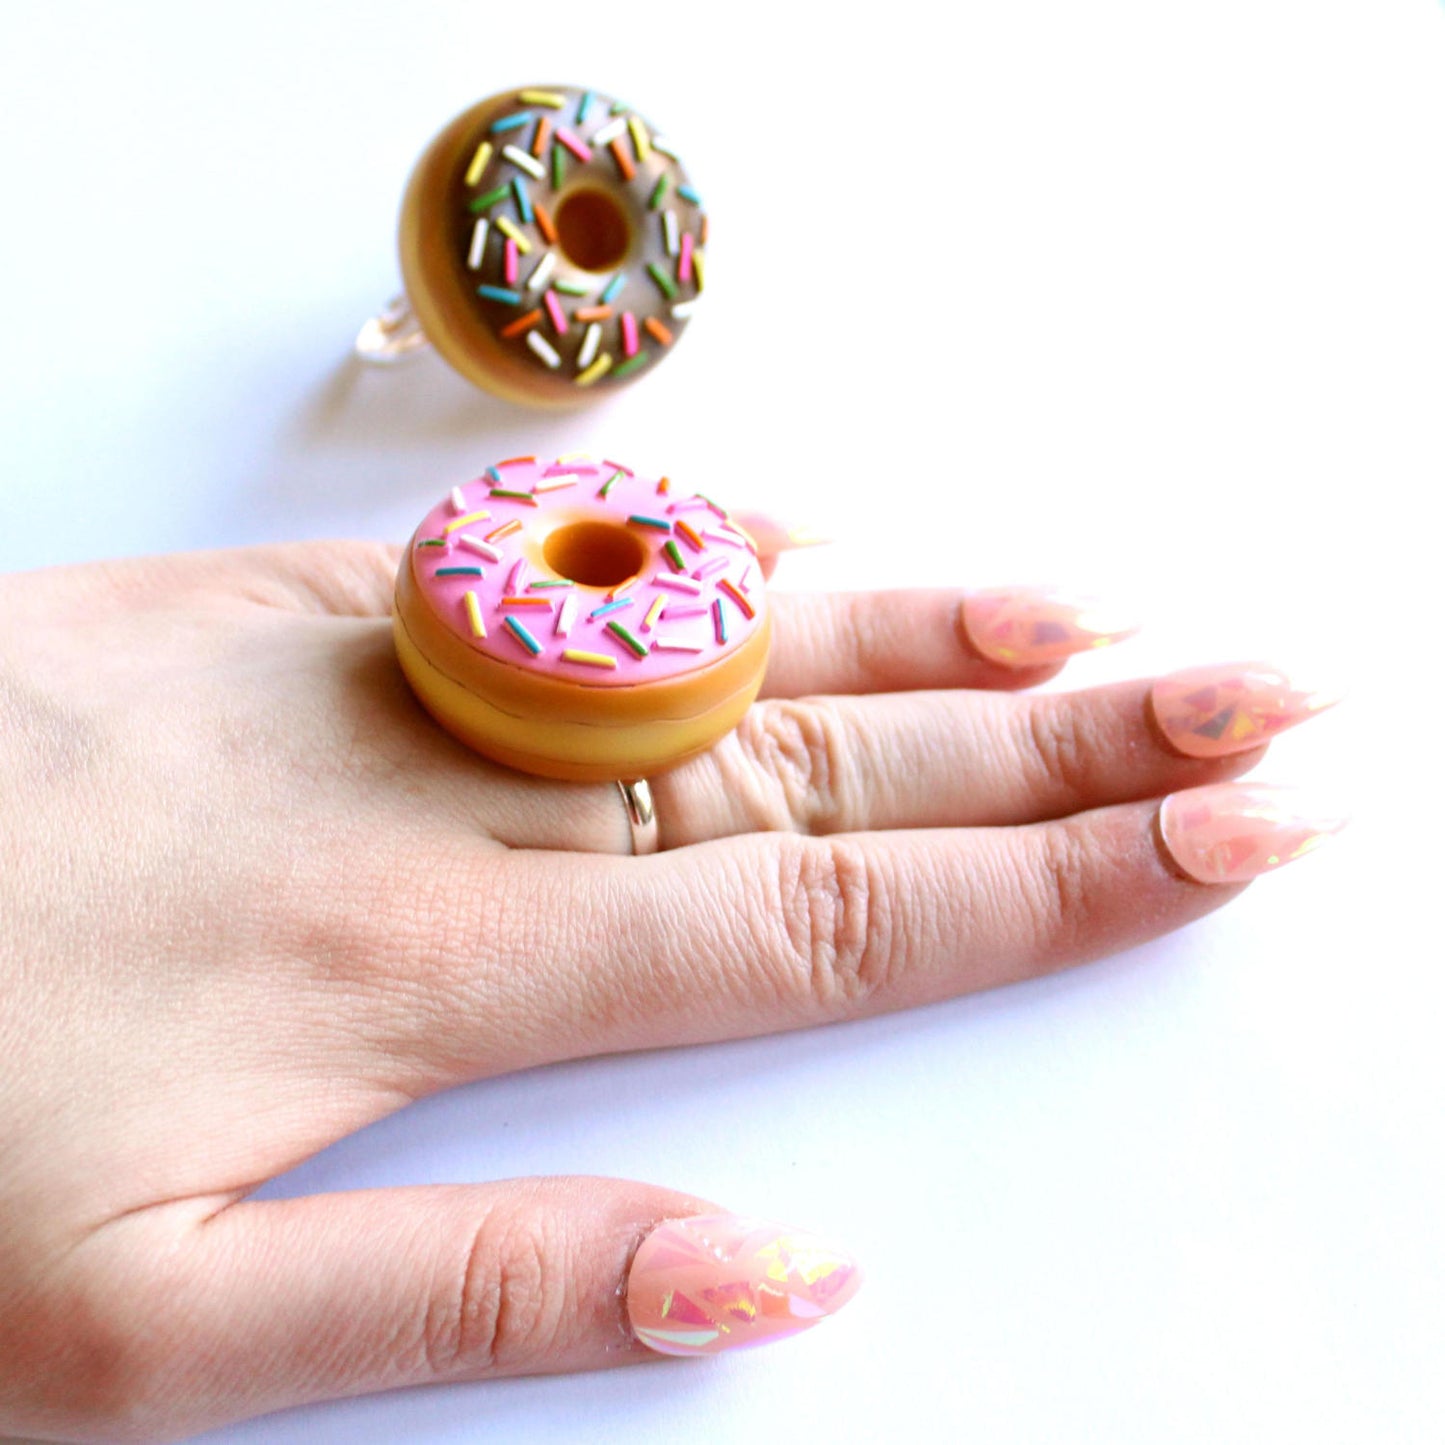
[278, 1303]
[930, 759]
[854, 642]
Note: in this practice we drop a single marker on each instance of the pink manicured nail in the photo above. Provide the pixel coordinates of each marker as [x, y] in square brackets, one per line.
[1210, 712]
[773, 536]
[718, 1282]
[1026, 626]
[1232, 832]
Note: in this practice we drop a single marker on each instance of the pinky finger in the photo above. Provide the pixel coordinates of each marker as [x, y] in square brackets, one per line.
[276, 1303]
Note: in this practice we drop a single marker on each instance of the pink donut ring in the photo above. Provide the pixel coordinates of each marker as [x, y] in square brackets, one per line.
[574, 619]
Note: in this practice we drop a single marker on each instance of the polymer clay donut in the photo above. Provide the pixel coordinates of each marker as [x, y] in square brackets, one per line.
[551, 244]
[574, 619]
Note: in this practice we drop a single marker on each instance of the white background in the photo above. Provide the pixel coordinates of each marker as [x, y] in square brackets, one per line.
[1143, 297]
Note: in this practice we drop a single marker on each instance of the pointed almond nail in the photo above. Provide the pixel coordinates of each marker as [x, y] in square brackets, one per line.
[773, 536]
[718, 1282]
[1029, 626]
[1232, 832]
[1210, 712]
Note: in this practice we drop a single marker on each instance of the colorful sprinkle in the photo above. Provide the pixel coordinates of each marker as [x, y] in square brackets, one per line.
[432, 542]
[540, 137]
[542, 347]
[500, 293]
[728, 539]
[610, 607]
[610, 132]
[653, 613]
[689, 194]
[545, 583]
[627, 367]
[513, 494]
[685, 259]
[524, 201]
[661, 523]
[678, 584]
[490, 199]
[521, 324]
[555, 312]
[474, 614]
[657, 331]
[590, 343]
[719, 622]
[525, 602]
[629, 334]
[584, 105]
[572, 288]
[599, 368]
[512, 122]
[457, 522]
[552, 484]
[480, 157]
[625, 167]
[639, 137]
[676, 610]
[458, 572]
[524, 162]
[592, 313]
[609, 292]
[481, 548]
[544, 222]
[635, 645]
[665, 283]
[517, 575]
[658, 192]
[675, 644]
[689, 535]
[543, 97]
[522, 635]
[529, 461]
[508, 227]
[542, 271]
[658, 144]
[709, 569]
[505, 530]
[725, 585]
[479, 243]
[566, 615]
[669, 232]
[684, 309]
[674, 557]
[606, 486]
[575, 144]
[588, 659]
[509, 262]
[559, 164]
[459, 501]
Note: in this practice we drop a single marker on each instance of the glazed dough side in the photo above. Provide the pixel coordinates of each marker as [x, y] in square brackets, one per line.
[563, 729]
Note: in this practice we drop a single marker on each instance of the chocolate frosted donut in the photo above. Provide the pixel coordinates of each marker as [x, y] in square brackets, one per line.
[551, 244]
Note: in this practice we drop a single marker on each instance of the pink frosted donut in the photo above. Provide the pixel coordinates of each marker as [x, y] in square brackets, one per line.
[574, 619]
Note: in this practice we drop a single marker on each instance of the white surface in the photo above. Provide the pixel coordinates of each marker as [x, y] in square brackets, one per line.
[1141, 296]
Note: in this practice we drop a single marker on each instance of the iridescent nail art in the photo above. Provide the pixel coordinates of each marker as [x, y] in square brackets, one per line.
[1032, 626]
[718, 1282]
[1211, 712]
[1232, 832]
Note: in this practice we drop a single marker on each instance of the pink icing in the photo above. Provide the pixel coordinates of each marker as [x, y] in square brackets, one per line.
[683, 637]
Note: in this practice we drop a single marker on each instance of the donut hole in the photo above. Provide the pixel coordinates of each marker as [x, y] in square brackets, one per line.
[596, 554]
[592, 230]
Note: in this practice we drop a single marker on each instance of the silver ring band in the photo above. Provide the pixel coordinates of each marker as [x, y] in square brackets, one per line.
[641, 816]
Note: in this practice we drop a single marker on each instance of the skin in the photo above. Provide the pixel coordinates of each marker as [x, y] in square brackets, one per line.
[232, 851]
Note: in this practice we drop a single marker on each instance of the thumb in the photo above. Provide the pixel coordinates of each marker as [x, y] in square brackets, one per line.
[282, 1302]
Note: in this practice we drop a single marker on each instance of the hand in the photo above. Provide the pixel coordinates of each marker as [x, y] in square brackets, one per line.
[253, 899]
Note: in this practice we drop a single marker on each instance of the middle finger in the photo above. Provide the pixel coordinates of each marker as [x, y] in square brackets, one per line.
[931, 759]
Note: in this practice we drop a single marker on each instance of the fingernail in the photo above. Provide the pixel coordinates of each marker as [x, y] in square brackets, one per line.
[1232, 832]
[773, 536]
[1026, 626]
[1210, 712]
[718, 1282]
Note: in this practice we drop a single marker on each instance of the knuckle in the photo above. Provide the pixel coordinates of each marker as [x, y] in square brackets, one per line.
[803, 749]
[500, 1307]
[840, 942]
[1061, 894]
[1061, 745]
